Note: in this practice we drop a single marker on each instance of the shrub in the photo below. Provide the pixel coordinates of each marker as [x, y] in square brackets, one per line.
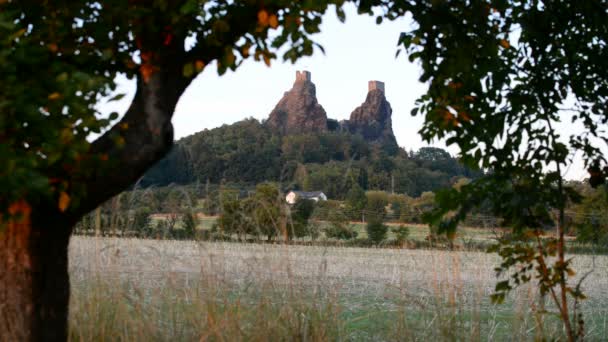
[345, 232]
[376, 231]
[339, 227]
[300, 214]
[401, 233]
[189, 223]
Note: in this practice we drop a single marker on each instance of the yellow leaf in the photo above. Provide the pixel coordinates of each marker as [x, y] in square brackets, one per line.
[273, 21]
[64, 201]
[504, 43]
[54, 96]
[263, 18]
[267, 60]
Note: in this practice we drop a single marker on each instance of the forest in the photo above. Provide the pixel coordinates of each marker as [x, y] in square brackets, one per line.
[248, 153]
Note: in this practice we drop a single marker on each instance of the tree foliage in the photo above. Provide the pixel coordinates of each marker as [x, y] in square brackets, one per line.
[247, 152]
[502, 75]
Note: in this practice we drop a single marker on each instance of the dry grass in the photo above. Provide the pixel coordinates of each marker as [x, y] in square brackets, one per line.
[129, 289]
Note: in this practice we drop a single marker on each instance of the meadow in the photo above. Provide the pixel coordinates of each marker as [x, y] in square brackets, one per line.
[132, 289]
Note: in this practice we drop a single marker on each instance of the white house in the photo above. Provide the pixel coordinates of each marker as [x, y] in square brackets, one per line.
[293, 196]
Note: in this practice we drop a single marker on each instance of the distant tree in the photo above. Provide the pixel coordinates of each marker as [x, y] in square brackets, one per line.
[591, 217]
[234, 218]
[268, 212]
[339, 227]
[189, 224]
[139, 221]
[401, 234]
[375, 208]
[398, 205]
[301, 177]
[356, 202]
[362, 178]
[376, 230]
[300, 214]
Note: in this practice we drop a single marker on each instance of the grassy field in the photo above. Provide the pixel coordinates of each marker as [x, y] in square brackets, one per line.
[129, 289]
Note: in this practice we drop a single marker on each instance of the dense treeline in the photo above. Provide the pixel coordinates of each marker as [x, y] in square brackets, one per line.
[234, 212]
[247, 152]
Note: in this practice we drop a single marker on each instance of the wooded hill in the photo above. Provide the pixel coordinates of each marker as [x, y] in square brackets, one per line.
[301, 148]
[249, 152]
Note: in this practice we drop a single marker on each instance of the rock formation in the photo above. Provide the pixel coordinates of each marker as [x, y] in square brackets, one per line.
[372, 119]
[298, 111]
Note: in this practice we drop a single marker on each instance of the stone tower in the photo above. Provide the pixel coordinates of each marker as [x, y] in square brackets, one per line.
[373, 85]
[373, 119]
[298, 111]
[303, 76]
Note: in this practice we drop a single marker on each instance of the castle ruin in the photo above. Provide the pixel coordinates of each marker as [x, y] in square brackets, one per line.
[303, 76]
[373, 85]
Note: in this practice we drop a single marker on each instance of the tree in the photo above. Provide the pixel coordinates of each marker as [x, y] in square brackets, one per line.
[591, 217]
[52, 174]
[189, 223]
[376, 205]
[501, 76]
[376, 230]
[234, 218]
[300, 214]
[339, 228]
[355, 202]
[268, 211]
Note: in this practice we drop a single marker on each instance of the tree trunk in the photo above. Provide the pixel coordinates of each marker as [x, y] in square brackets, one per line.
[34, 280]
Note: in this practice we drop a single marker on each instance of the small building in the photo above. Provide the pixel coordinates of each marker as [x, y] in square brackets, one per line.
[293, 196]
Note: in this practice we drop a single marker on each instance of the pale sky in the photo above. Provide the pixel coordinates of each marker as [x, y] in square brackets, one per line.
[356, 52]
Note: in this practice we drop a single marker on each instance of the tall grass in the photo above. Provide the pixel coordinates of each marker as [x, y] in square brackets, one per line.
[129, 289]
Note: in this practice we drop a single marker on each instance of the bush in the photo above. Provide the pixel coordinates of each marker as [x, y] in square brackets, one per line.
[376, 205]
[401, 233]
[300, 214]
[339, 227]
[189, 223]
[345, 232]
[376, 231]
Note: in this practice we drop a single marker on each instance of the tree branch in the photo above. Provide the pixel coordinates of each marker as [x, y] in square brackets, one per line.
[138, 141]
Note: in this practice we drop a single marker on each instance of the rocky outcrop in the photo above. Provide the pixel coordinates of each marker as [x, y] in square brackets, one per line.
[298, 111]
[372, 119]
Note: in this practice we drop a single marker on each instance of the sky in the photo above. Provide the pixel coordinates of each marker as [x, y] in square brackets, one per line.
[356, 52]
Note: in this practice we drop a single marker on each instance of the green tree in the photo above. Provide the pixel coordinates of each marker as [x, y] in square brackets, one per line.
[401, 234]
[356, 202]
[501, 75]
[268, 212]
[339, 228]
[189, 224]
[300, 214]
[236, 218]
[54, 170]
[376, 205]
[591, 217]
[139, 221]
[376, 230]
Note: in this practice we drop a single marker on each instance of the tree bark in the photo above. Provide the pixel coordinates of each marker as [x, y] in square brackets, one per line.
[34, 279]
[34, 282]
